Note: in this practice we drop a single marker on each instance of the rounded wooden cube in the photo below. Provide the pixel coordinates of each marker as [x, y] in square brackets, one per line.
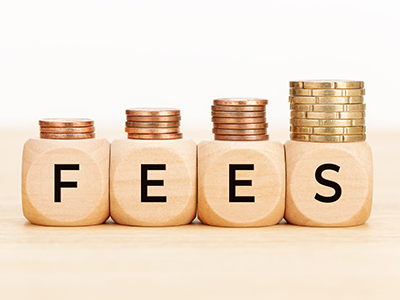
[65, 182]
[328, 184]
[153, 182]
[241, 184]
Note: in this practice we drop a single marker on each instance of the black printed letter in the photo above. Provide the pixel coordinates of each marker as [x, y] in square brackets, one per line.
[58, 184]
[233, 183]
[146, 183]
[332, 184]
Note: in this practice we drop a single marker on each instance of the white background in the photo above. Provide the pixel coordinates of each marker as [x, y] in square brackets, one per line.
[96, 58]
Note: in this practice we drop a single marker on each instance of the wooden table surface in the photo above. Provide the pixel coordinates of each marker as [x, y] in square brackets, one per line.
[198, 261]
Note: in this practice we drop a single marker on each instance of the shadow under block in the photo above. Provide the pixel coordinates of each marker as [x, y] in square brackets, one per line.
[224, 181]
[328, 184]
[49, 166]
[153, 182]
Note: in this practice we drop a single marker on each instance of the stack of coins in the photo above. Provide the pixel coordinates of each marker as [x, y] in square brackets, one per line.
[153, 123]
[66, 128]
[239, 119]
[327, 111]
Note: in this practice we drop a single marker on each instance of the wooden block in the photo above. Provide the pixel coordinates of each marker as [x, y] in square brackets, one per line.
[65, 182]
[328, 184]
[241, 184]
[153, 182]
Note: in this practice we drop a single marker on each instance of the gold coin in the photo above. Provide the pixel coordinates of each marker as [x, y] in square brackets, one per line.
[335, 115]
[328, 130]
[327, 92]
[326, 123]
[300, 137]
[305, 122]
[66, 129]
[298, 114]
[153, 111]
[238, 114]
[151, 130]
[328, 138]
[166, 136]
[336, 123]
[301, 130]
[241, 137]
[328, 107]
[66, 122]
[240, 101]
[327, 84]
[240, 126]
[301, 107]
[355, 130]
[152, 124]
[358, 122]
[237, 108]
[153, 119]
[67, 136]
[337, 138]
[326, 100]
[239, 131]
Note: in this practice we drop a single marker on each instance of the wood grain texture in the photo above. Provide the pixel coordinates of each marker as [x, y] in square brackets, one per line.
[179, 182]
[267, 190]
[198, 261]
[353, 179]
[87, 203]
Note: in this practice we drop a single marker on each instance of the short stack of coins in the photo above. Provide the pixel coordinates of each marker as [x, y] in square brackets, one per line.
[153, 123]
[327, 111]
[239, 119]
[66, 128]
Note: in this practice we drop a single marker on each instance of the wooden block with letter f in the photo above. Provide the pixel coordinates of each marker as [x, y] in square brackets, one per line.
[241, 173]
[65, 175]
[153, 173]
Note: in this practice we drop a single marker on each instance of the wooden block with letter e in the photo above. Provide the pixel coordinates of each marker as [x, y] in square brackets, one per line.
[65, 175]
[241, 173]
[241, 184]
[153, 183]
[153, 176]
[328, 184]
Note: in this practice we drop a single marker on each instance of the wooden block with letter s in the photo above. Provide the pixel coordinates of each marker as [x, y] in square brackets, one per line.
[328, 184]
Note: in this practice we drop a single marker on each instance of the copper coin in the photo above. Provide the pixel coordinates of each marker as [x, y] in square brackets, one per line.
[152, 124]
[237, 108]
[241, 137]
[153, 111]
[239, 131]
[66, 129]
[239, 120]
[151, 130]
[66, 122]
[238, 114]
[153, 119]
[166, 136]
[240, 101]
[67, 136]
[240, 126]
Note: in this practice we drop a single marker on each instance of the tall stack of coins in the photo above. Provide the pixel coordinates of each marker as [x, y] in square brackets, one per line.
[66, 128]
[327, 111]
[239, 119]
[153, 123]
